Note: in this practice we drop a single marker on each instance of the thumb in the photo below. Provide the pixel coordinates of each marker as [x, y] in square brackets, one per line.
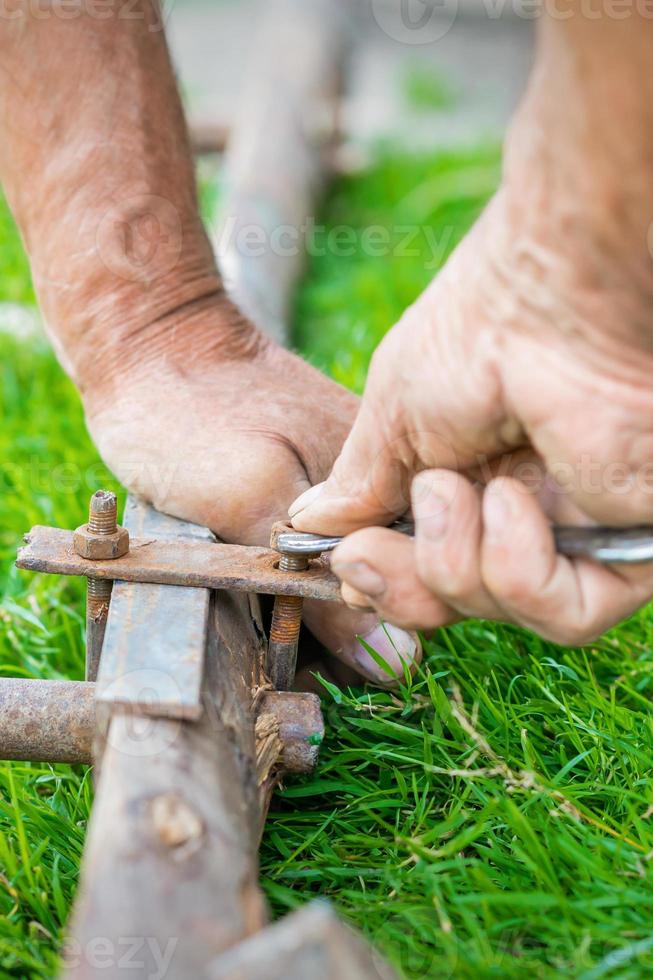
[369, 483]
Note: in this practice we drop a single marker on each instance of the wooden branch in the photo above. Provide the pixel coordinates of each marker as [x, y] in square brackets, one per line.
[206, 137]
[171, 853]
[311, 944]
[277, 155]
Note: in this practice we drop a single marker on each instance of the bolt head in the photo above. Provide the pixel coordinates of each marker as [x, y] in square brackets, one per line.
[101, 547]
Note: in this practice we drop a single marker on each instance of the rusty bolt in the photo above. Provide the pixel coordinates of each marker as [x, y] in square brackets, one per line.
[101, 539]
[287, 616]
[286, 623]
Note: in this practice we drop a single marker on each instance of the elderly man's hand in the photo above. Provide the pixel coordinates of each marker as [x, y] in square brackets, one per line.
[519, 345]
[537, 337]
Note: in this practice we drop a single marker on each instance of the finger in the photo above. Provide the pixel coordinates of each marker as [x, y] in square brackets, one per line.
[529, 468]
[365, 486]
[448, 531]
[379, 564]
[350, 634]
[570, 602]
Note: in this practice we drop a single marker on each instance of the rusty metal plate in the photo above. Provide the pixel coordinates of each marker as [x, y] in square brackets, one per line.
[195, 563]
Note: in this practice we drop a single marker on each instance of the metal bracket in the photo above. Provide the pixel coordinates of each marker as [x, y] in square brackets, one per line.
[195, 563]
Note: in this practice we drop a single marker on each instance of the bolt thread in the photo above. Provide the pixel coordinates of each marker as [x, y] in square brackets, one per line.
[99, 588]
[98, 597]
[286, 619]
[103, 513]
[293, 563]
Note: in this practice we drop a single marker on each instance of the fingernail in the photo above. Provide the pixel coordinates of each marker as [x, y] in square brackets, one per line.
[396, 646]
[305, 499]
[360, 576]
[497, 512]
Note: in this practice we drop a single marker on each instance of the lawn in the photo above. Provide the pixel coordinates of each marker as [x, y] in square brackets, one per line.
[492, 820]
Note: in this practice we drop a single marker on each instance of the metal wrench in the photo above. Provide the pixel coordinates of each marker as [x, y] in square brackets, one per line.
[618, 545]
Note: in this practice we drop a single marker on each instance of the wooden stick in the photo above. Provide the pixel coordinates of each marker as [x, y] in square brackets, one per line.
[276, 156]
[310, 944]
[171, 854]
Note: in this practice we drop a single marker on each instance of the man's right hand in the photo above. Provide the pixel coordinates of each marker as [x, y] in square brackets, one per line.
[536, 339]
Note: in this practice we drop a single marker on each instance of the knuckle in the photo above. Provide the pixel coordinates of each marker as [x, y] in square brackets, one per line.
[577, 634]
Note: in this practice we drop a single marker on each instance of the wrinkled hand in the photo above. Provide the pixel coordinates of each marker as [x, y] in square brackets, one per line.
[512, 350]
[227, 438]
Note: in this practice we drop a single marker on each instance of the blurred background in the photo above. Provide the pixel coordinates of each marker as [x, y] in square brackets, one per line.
[467, 63]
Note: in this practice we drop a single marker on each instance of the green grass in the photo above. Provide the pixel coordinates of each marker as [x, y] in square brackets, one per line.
[48, 468]
[404, 217]
[490, 820]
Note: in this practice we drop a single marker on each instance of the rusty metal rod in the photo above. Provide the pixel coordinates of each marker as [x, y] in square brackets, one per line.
[102, 523]
[46, 721]
[54, 721]
[285, 629]
[98, 599]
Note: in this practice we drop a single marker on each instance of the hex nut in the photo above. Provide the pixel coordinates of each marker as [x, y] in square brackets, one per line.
[101, 547]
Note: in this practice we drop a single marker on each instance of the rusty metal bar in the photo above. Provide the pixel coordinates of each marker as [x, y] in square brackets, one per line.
[194, 563]
[46, 721]
[54, 721]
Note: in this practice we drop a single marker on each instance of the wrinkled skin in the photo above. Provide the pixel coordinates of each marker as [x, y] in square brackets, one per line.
[535, 340]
